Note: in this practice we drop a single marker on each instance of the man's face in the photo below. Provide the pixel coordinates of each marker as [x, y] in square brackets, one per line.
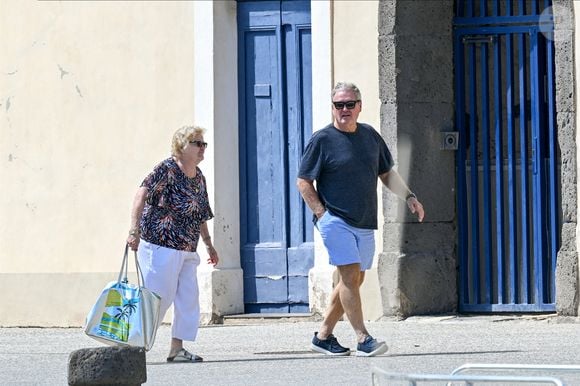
[342, 114]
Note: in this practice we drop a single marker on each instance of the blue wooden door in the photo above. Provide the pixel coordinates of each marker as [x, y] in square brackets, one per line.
[508, 191]
[274, 50]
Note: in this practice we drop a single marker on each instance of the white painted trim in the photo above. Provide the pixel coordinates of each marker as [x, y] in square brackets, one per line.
[216, 109]
[320, 279]
[322, 75]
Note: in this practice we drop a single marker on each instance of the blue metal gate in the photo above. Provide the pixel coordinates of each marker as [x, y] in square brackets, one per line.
[507, 160]
[276, 237]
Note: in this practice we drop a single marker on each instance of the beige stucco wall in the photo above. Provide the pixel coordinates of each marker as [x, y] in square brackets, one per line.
[355, 59]
[90, 94]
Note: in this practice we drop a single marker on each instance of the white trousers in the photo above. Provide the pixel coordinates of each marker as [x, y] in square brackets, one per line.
[172, 274]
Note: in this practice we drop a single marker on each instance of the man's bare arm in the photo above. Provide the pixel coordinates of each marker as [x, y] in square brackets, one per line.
[310, 196]
[393, 180]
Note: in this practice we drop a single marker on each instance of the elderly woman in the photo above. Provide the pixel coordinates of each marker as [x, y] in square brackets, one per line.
[169, 214]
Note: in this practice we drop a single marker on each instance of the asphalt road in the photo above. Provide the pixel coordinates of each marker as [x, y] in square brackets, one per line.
[277, 353]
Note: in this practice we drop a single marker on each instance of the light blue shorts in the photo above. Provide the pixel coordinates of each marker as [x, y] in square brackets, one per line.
[346, 244]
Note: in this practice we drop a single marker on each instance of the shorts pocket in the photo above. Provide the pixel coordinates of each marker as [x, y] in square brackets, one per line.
[322, 221]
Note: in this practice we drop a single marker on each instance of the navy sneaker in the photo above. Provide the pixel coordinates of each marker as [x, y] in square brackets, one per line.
[328, 346]
[371, 347]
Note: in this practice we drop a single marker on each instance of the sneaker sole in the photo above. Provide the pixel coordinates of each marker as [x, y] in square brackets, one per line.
[315, 348]
[381, 350]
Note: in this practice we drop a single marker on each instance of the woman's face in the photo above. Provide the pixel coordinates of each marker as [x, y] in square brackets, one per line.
[195, 149]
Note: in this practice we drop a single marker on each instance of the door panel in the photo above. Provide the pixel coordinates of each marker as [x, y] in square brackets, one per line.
[507, 179]
[275, 115]
[296, 27]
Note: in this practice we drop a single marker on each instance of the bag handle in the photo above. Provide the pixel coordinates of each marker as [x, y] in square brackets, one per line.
[125, 268]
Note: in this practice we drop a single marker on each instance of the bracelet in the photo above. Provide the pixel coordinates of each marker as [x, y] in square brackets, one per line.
[206, 238]
[134, 232]
[410, 195]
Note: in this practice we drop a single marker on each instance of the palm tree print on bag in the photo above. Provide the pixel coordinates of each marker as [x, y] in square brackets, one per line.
[115, 322]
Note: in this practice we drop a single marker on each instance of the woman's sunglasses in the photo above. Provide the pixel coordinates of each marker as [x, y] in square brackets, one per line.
[199, 143]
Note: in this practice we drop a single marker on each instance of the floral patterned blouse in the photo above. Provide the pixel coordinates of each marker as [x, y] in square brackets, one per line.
[175, 207]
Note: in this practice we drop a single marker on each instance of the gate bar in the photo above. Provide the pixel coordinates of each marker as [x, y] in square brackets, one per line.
[512, 175]
[412, 379]
[487, 216]
[503, 20]
[538, 168]
[505, 366]
[499, 185]
[474, 178]
[524, 170]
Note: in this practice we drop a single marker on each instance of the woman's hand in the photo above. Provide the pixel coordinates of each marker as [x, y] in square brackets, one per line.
[133, 240]
[213, 255]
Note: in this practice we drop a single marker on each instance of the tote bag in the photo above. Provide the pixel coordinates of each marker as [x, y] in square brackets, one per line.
[125, 314]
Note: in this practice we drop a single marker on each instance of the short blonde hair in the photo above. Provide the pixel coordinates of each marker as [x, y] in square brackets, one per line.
[182, 137]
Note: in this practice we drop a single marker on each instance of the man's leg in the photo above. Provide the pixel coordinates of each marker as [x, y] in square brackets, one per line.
[324, 341]
[350, 249]
[349, 296]
[351, 303]
[335, 310]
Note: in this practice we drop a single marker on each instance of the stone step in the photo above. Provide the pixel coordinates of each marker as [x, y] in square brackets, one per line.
[243, 319]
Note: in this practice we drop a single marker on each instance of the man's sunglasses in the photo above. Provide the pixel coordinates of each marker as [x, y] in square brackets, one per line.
[199, 143]
[349, 105]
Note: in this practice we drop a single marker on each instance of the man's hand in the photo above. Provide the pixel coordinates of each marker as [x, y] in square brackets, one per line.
[416, 208]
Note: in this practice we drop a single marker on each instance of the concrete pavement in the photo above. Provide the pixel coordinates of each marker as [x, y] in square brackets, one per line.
[255, 352]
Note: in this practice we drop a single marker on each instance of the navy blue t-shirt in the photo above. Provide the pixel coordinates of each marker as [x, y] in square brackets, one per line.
[346, 167]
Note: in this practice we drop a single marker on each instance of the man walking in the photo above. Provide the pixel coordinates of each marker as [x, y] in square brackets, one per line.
[345, 159]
